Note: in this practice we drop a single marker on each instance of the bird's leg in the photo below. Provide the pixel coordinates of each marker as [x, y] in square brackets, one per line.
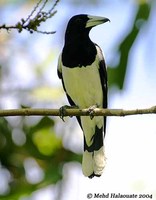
[62, 110]
[91, 110]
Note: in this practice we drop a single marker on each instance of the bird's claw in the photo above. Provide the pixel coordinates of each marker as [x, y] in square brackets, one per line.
[91, 111]
[62, 111]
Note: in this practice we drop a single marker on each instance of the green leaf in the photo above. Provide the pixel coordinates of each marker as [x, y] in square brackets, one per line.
[46, 141]
[116, 75]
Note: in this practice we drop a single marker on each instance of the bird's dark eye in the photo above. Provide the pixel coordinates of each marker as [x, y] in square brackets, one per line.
[78, 20]
[80, 23]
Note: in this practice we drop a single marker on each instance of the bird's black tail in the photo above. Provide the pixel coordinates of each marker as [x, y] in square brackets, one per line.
[93, 157]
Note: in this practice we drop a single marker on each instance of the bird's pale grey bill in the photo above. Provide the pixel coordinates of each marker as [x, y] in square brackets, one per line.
[95, 20]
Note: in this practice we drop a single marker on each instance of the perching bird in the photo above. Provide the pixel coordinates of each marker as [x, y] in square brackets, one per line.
[82, 69]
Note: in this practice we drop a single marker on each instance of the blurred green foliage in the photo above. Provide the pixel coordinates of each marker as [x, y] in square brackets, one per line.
[25, 146]
[117, 74]
[42, 146]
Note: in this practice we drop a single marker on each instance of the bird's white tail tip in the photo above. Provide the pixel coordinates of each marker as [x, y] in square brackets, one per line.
[93, 163]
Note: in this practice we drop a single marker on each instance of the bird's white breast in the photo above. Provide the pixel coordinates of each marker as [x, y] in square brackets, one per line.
[83, 85]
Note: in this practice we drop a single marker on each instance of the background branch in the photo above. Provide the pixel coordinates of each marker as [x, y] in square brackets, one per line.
[31, 23]
[76, 112]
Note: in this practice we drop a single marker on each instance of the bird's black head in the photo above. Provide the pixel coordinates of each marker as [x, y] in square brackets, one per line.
[79, 50]
[80, 24]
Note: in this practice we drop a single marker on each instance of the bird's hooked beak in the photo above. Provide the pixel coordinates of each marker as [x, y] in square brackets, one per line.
[94, 21]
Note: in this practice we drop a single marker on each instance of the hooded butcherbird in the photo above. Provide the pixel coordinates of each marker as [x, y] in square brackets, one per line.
[82, 69]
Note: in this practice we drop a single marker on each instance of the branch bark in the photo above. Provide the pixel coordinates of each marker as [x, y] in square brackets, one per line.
[76, 112]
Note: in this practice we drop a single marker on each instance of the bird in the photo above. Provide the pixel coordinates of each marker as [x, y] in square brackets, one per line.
[82, 69]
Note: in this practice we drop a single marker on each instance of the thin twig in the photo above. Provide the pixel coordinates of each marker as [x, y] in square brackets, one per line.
[42, 7]
[33, 11]
[53, 7]
[76, 112]
[34, 19]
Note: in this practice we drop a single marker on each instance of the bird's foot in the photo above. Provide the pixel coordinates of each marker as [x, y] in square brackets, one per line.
[62, 110]
[91, 110]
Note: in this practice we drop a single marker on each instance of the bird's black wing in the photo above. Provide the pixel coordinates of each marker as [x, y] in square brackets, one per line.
[59, 73]
[103, 78]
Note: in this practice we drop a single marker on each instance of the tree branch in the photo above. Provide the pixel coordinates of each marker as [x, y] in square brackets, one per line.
[31, 23]
[76, 112]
